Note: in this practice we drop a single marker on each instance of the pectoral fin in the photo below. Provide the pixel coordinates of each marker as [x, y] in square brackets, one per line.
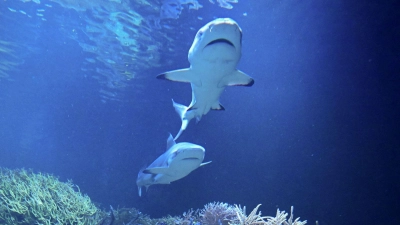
[237, 78]
[205, 163]
[156, 170]
[182, 75]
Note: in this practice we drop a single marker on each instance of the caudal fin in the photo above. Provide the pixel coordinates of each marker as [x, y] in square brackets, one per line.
[181, 110]
[183, 127]
[140, 191]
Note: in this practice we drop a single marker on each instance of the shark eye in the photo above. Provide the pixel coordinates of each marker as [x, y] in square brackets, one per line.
[199, 34]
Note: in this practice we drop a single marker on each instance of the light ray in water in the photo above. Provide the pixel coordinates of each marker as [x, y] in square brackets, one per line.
[115, 35]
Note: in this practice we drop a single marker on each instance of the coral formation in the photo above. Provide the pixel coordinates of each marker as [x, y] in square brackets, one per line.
[29, 198]
[216, 213]
[128, 216]
[255, 218]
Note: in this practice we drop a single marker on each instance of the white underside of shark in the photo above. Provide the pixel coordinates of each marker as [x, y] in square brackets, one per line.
[213, 58]
[178, 161]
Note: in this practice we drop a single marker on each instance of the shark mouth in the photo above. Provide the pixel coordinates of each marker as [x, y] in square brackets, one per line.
[191, 158]
[221, 41]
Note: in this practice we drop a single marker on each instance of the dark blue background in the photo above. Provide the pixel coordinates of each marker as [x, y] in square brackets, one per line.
[319, 130]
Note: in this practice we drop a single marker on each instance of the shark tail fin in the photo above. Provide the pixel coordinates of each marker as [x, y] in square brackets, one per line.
[181, 110]
[183, 127]
[237, 78]
[179, 133]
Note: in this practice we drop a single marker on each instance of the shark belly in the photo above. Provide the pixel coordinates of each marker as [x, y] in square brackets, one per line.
[205, 97]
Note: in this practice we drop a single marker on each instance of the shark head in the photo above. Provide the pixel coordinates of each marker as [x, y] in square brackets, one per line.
[185, 158]
[222, 33]
[178, 161]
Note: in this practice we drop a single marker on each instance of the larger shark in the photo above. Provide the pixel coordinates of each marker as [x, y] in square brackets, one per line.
[213, 57]
[178, 161]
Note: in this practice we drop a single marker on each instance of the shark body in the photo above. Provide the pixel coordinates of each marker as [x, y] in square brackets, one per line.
[178, 161]
[213, 57]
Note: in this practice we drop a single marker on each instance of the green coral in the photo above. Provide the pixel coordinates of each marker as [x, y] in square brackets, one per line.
[29, 198]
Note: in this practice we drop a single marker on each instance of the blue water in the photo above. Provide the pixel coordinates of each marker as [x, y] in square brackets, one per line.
[318, 130]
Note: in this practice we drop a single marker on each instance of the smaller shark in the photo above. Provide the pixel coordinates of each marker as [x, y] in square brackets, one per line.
[178, 161]
[213, 57]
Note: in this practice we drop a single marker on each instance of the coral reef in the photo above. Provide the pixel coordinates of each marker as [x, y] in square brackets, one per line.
[28, 198]
[216, 213]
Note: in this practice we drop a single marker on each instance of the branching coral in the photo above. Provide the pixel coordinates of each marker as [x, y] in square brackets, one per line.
[296, 221]
[29, 198]
[255, 218]
[188, 218]
[216, 213]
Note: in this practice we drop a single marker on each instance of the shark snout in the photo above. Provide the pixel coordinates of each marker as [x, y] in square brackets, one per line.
[224, 26]
[222, 33]
[191, 154]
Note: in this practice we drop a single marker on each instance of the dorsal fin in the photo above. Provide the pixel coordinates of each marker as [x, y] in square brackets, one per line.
[170, 142]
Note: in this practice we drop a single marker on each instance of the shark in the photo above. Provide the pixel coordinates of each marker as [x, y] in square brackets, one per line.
[177, 162]
[213, 58]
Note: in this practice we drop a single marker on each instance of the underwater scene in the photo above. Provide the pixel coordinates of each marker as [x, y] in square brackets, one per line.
[199, 112]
